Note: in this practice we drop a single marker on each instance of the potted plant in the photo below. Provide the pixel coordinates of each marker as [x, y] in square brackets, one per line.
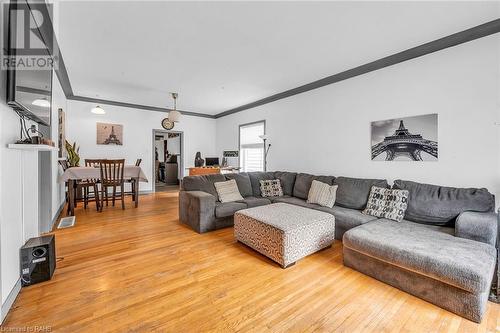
[73, 154]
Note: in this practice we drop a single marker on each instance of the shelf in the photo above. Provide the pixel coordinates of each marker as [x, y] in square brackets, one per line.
[32, 147]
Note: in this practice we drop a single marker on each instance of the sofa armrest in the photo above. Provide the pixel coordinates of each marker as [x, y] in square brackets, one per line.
[481, 227]
[197, 209]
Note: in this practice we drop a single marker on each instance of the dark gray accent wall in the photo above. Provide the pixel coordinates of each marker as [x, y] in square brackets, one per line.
[479, 31]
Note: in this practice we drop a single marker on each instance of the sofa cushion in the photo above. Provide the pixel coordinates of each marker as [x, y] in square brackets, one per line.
[277, 199]
[322, 194]
[243, 181]
[303, 183]
[228, 191]
[290, 200]
[439, 205]
[256, 177]
[287, 180]
[228, 208]
[462, 263]
[353, 192]
[347, 218]
[255, 202]
[203, 183]
[437, 228]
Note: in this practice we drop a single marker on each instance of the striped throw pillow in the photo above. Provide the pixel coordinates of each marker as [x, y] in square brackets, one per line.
[228, 191]
[322, 194]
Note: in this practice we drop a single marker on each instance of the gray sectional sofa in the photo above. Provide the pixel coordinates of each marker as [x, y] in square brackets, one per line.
[444, 251]
[200, 209]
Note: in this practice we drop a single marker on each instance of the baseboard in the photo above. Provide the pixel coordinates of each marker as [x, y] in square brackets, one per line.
[56, 217]
[10, 299]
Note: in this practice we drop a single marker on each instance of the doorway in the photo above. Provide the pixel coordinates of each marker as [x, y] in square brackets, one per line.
[168, 166]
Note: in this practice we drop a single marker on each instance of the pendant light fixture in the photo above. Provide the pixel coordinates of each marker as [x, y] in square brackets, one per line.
[42, 102]
[174, 115]
[98, 110]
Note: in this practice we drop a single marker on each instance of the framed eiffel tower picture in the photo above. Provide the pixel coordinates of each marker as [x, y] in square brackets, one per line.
[109, 134]
[405, 139]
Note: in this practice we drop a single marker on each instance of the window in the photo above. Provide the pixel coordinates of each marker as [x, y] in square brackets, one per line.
[252, 147]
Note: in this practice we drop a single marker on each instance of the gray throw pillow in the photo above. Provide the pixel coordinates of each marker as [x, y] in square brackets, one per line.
[387, 203]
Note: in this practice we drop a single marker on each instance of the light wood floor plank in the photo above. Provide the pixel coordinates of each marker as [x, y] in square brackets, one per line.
[140, 270]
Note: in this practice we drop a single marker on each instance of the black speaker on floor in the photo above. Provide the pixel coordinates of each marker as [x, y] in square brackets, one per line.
[38, 260]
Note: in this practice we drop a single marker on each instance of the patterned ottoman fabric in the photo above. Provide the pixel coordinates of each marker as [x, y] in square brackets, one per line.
[284, 233]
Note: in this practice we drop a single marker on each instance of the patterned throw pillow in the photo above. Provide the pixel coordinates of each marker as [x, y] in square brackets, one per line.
[271, 188]
[322, 194]
[228, 191]
[384, 202]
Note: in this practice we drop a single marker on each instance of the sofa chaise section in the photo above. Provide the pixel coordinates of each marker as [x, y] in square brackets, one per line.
[444, 251]
[451, 272]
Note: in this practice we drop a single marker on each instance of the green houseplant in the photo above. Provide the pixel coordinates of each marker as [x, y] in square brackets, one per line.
[73, 154]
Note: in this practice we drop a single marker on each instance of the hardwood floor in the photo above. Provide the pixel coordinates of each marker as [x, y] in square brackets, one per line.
[140, 270]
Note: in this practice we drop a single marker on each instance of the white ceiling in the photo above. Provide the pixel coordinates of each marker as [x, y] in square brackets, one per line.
[220, 55]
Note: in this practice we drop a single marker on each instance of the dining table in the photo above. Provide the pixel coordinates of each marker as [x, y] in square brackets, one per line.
[74, 174]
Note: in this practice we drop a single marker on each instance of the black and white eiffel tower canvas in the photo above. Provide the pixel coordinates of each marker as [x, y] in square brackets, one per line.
[405, 139]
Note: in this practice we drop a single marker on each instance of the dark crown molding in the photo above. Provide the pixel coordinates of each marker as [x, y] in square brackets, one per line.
[465, 36]
[135, 106]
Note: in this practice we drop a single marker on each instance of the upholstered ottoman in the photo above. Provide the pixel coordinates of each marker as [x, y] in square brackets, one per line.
[284, 233]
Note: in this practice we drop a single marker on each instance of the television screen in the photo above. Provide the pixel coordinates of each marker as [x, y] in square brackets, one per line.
[29, 72]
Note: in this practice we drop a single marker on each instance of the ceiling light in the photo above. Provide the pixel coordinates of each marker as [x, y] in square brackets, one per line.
[98, 110]
[174, 115]
[43, 102]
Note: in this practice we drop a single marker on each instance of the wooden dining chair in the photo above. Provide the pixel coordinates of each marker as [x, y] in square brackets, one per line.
[133, 181]
[112, 176]
[65, 166]
[91, 184]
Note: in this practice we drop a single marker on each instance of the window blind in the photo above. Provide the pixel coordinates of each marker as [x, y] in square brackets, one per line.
[252, 147]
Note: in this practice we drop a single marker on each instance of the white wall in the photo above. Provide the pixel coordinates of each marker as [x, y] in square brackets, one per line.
[138, 125]
[11, 228]
[327, 130]
[58, 189]
[14, 204]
